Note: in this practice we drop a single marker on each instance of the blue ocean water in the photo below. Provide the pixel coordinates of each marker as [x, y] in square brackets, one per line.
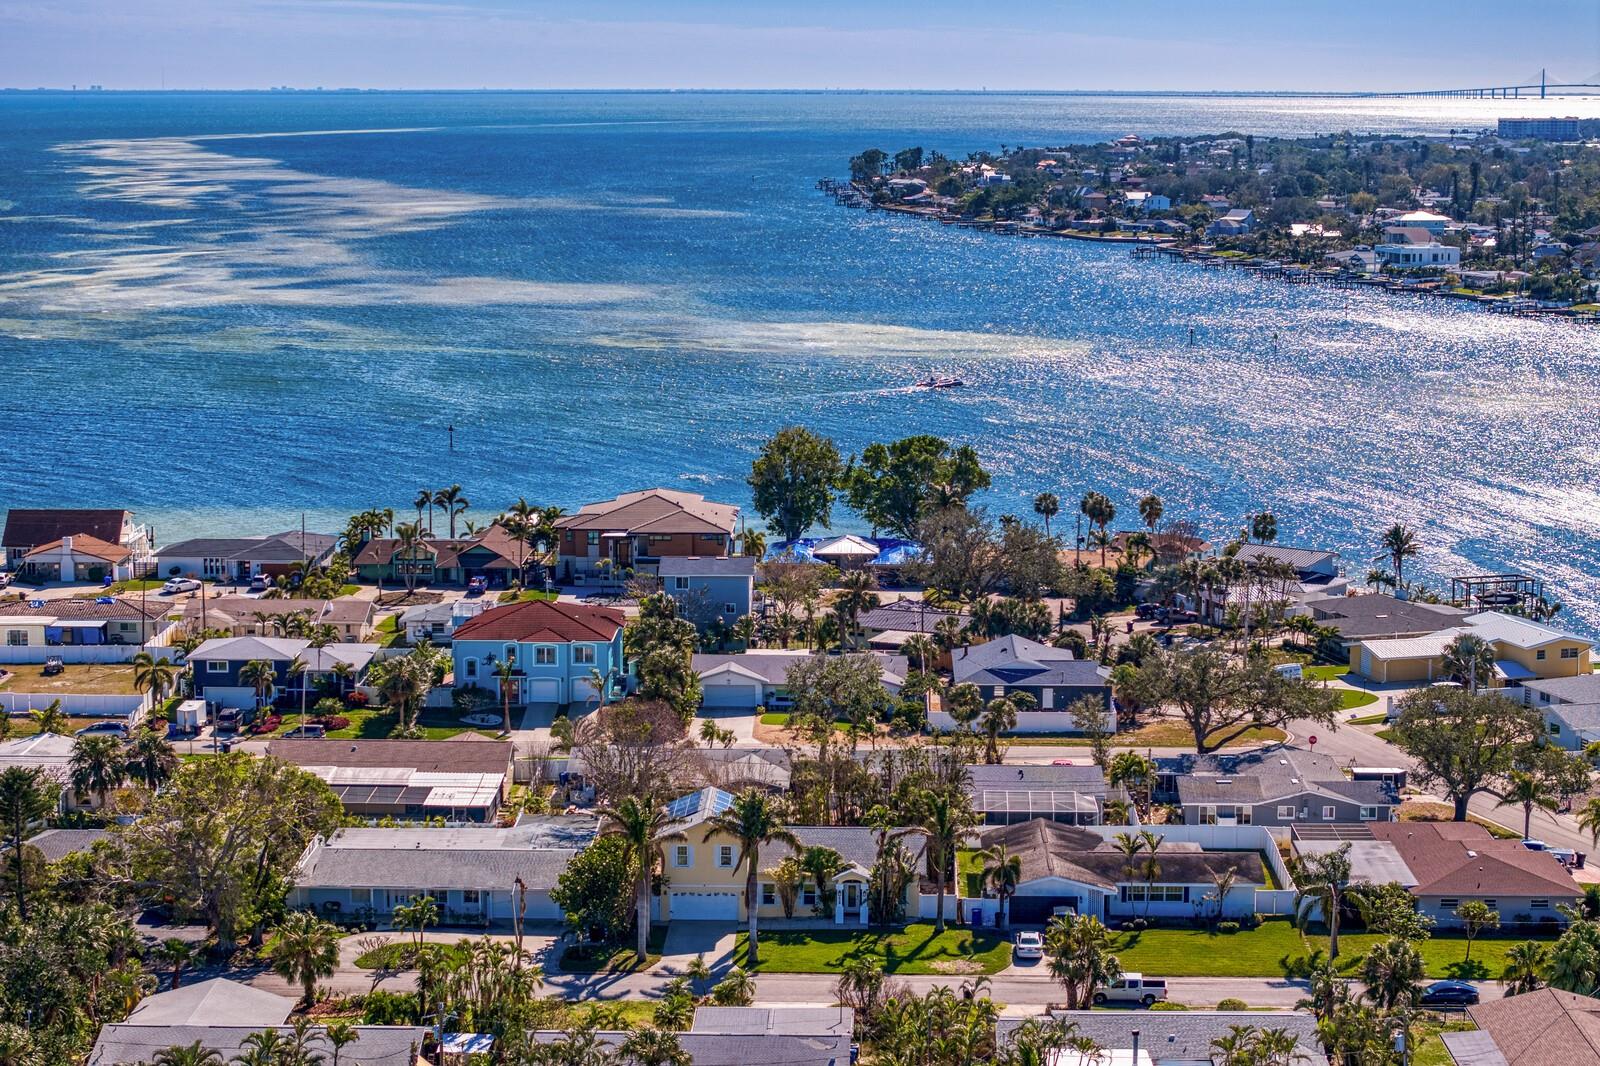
[226, 310]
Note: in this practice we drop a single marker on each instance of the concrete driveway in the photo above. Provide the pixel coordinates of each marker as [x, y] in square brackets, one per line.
[687, 940]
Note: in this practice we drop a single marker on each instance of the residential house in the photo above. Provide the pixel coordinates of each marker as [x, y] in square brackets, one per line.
[493, 555]
[437, 623]
[478, 876]
[1054, 677]
[1359, 260]
[737, 1049]
[553, 650]
[29, 528]
[1412, 248]
[775, 1021]
[847, 552]
[1145, 202]
[638, 529]
[1236, 223]
[238, 559]
[704, 882]
[1457, 861]
[78, 558]
[1536, 1028]
[245, 616]
[1524, 649]
[56, 844]
[1430, 222]
[1279, 785]
[1315, 576]
[1171, 1038]
[710, 588]
[760, 677]
[221, 1014]
[217, 664]
[1379, 616]
[736, 769]
[1083, 870]
[1170, 546]
[464, 779]
[51, 755]
[83, 621]
[1006, 795]
[889, 625]
[1571, 708]
[1216, 204]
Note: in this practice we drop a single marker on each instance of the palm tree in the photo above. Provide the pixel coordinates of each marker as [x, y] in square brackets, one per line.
[1150, 509]
[266, 1048]
[452, 503]
[188, 1055]
[999, 716]
[1392, 971]
[1589, 819]
[177, 953]
[1526, 964]
[1047, 505]
[753, 542]
[964, 704]
[152, 675]
[921, 650]
[753, 819]
[317, 638]
[1080, 957]
[25, 798]
[639, 821]
[505, 675]
[654, 1047]
[1529, 791]
[1321, 880]
[1469, 659]
[52, 719]
[410, 540]
[945, 819]
[1099, 510]
[304, 948]
[424, 502]
[1002, 872]
[261, 676]
[1129, 768]
[1399, 544]
[339, 1035]
[855, 596]
[97, 766]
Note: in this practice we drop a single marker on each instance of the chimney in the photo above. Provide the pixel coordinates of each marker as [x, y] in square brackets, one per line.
[1136, 1047]
[66, 545]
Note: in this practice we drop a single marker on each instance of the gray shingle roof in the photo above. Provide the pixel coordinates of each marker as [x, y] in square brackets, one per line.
[378, 1045]
[707, 566]
[906, 616]
[1051, 849]
[856, 845]
[1264, 775]
[1585, 688]
[789, 1021]
[718, 1049]
[57, 844]
[1180, 1035]
[773, 666]
[454, 867]
[1016, 661]
[218, 999]
[1300, 558]
[1381, 615]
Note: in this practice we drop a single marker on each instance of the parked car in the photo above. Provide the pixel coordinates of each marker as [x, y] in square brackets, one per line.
[5, 579]
[229, 719]
[1133, 988]
[104, 729]
[259, 584]
[1029, 945]
[477, 586]
[180, 584]
[53, 665]
[309, 731]
[1449, 994]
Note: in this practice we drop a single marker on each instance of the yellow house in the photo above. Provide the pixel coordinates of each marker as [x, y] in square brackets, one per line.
[1524, 650]
[703, 878]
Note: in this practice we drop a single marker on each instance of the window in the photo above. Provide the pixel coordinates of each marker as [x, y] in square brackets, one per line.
[1369, 814]
[594, 538]
[1544, 697]
[510, 652]
[712, 538]
[1329, 813]
[1156, 893]
[680, 855]
[680, 584]
[1446, 903]
[1538, 904]
[730, 608]
[769, 894]
[216, 666]
[472, 668]
[660, 538]
[1569, 653]
[1491, 904]
[1286, 811]
[1555, 727]
[1242, 815]
[808, 896]
[1208, 816]
[583, 654]
[17, 638]
[544, 655]
[1539, 655]
[361, 897]
[469, 897]
[725, 855]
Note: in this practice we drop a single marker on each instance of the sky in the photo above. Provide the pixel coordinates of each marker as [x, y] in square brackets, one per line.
[1311, 45]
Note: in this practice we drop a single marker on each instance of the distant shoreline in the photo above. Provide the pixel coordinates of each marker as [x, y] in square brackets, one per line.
[1200, 94]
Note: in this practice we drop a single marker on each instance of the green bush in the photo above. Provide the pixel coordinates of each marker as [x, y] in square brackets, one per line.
[1162, 1004]
[1227, 927]
[1233, 1004]
[389, 1008]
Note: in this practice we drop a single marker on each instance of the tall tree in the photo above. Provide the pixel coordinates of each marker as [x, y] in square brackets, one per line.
[25, 798]
[303, 948]
[1469, 659]
[1399, 544]
[1079, 949]
[639, 822]
[454, 503]
[1321, 880]
[98, 766]
[1047, 505]
[755, 819]
[891, 484]
[1465, 743]
[943, 820]
[152, 675]
[793, 480]
[663, 644]
[1220, 699]
[1002, 872]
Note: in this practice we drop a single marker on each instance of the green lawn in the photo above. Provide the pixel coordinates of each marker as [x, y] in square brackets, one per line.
[1350, 699]
[1370, 719]
[912, 950]
[149, 584]
[1327, 673]
[365, 723]
[509, 596]
[387, 632]
[1277, 949]
[392, 956]
[969, 871]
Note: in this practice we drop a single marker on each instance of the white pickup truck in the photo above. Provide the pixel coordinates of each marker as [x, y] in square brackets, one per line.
[1133, 988]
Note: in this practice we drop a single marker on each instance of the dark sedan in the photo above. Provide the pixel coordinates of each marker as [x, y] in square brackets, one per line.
[1449, 994]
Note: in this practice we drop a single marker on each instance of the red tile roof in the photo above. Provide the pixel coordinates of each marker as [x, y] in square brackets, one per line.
[84, 544]
[654, 511]
[543, 620]
[1462, 859]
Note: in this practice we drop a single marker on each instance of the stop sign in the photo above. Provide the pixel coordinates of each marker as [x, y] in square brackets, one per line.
[1313, 741]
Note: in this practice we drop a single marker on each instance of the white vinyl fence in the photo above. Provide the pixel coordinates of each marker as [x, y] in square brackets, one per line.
[81, 705]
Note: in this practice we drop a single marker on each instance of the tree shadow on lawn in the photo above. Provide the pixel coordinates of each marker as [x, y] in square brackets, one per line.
[854, 946]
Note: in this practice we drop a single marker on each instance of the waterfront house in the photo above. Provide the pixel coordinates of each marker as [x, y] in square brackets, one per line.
[465, 778]
[28, 528]
[759, 677]
[637, 529]
[710, 588]
[1429, 222]
[889, 625]
[218, 662]
[493, 555]
[1236, 223]
[78, 558]
[1215, 203]
[1315, 575]
[238, 559]
[1453, 862]
[1279, 785]
[1005, 795]
[1570, 705]
[704, 881]
[353, 617]
[437, 623]
[1054, 677]
[1413, 248]
[1379, 616]
[1081, 868]
[44, 627]
[1359, 260]
[1140, 202]
[1172, 1038]
[554, 649]
[1524, 650]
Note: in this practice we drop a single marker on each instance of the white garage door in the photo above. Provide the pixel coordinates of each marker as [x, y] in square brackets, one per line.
[541, 690]
[738, 693]
[705, 906]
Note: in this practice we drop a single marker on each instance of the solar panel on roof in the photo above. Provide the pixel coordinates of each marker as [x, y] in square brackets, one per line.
[709, 800]
[1011, 675]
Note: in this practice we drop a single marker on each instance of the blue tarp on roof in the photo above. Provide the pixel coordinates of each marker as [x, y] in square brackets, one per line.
[892, 551]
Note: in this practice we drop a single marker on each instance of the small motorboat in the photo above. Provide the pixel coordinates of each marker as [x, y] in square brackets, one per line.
[940, 381]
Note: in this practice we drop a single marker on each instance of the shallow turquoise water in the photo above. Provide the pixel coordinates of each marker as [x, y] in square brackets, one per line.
[219, 313]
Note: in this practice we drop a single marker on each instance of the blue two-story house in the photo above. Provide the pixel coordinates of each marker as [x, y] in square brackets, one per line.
[710, 587]
[554, 650]
[217, 664]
